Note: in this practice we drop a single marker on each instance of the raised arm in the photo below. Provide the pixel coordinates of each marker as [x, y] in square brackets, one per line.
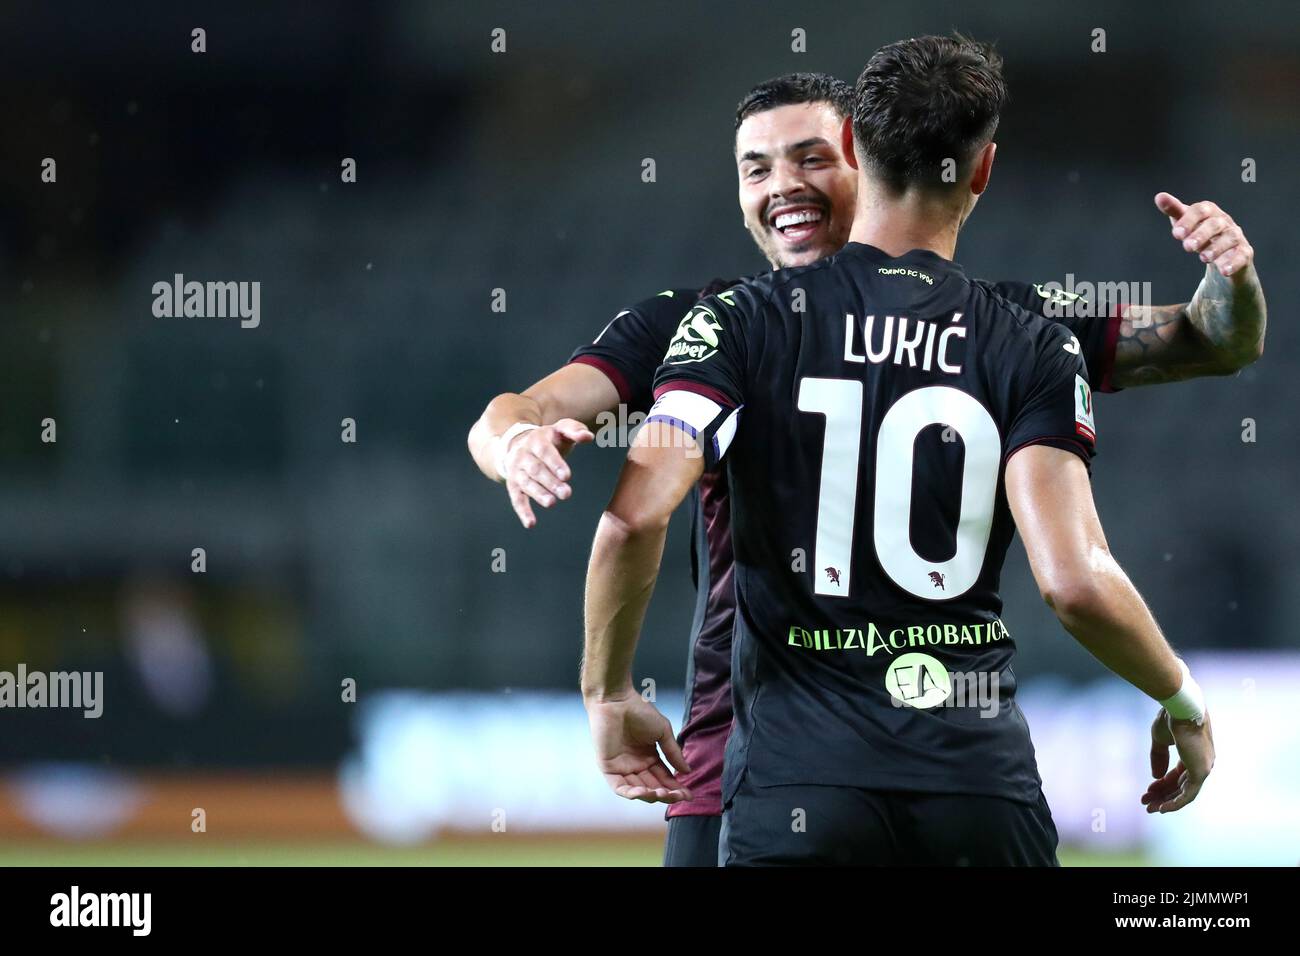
[1220, 330]
[662, 466]
[1051, 499]
[521, 439]
[617, 367]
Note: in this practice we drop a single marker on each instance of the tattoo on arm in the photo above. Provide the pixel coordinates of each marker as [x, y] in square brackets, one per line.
[1231, 315]
[1218, 333]
[1156, 344]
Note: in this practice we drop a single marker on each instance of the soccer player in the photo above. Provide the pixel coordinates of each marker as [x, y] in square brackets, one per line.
[887, 417]
[789, 161]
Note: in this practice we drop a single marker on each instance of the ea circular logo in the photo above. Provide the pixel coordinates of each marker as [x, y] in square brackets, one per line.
[918, 680]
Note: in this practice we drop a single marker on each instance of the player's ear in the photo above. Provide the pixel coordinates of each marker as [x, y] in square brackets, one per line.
[846, 142]
[979, 180]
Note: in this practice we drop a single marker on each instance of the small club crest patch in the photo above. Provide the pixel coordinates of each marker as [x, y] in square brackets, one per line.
[1083, 420]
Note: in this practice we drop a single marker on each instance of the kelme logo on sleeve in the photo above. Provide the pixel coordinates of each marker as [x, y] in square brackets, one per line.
[1056, 295]
[696, 338]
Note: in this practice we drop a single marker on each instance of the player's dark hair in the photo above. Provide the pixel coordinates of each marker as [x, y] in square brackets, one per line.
[921, 101]
[791, 89]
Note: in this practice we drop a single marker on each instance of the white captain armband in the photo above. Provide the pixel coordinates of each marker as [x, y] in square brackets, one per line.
[710, 423]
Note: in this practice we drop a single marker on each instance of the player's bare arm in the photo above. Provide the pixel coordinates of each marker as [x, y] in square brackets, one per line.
[1221, 330]
[522, 439]
[628, 731]
[1051, 499]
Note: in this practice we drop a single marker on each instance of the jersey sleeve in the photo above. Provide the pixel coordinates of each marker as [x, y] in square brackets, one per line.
[629, 349]
[1097, 334]
[1055, 407]
[700, 387]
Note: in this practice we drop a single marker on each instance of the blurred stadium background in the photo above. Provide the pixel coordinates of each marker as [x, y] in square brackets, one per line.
[373, 561]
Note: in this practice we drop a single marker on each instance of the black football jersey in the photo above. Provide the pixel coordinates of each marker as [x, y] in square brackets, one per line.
[866, 406]
[1097, 334]
[629, 349]
[631, 346]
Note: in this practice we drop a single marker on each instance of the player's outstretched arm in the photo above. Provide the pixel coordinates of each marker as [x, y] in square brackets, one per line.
[1051, 499]
[626, 729]
[522, 439]
[1221, 330]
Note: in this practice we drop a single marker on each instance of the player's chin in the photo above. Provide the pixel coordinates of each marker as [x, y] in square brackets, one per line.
[792, 254]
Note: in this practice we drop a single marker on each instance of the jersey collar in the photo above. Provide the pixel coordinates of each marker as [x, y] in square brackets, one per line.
[917, 258]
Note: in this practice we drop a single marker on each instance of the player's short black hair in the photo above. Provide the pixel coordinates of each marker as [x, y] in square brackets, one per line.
[924, 100]
[790, 89]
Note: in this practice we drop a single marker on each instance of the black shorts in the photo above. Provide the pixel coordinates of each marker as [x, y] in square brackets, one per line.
[692, 841]
[803, 825]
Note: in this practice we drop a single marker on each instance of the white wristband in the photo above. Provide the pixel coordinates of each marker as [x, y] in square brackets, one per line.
[503, 444]
[1189, 702]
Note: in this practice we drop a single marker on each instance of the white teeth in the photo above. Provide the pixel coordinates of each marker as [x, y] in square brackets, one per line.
[795, 218]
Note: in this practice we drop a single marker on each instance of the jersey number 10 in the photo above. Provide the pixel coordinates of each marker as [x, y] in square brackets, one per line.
[840, 401]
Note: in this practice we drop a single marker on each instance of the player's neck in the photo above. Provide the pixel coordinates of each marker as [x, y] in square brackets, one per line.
[897, 224]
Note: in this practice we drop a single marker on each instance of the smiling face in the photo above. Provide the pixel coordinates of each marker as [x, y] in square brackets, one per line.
[797, 192]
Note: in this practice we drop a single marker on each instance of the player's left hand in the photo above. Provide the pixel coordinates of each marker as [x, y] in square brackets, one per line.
[626, 734]
[1205, 229]
[1174, 789]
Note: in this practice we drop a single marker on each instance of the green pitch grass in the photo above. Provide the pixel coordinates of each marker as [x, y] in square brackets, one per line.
[559, 851]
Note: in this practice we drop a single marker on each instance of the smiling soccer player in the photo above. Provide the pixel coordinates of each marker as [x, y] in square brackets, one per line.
[892, 428]
[798, 194]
